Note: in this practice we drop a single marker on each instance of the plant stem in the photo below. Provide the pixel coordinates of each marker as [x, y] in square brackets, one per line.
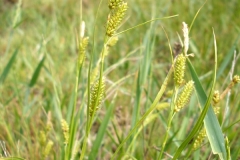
[152, 108]
[170, 117]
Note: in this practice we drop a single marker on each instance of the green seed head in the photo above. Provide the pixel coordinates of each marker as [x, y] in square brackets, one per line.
[96, 96]
[115, 18]
[48, 148]
[184, 97]
[114, 3]
[236, 79]
[180, 66]
[216, 97]
[65, 129]
[82, 49]
[198, 141]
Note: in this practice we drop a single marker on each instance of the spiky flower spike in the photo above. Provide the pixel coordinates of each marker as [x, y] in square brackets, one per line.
[65, 128]
[180, 66]
[115, 18]
[184, 97]
[114, 3]
[83, 44]
[186, 38]
[82, 49]
[236, 79]
[96, 96]
[198, 141]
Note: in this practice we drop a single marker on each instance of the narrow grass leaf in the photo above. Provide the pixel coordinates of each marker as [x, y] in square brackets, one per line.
[203, 113]
[147, 121]
[8, 67]
[36, 73]
[212, 126]
[146, 114]
[101, 132]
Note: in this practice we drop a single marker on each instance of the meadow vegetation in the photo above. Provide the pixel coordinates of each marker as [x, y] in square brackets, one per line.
[119, 79]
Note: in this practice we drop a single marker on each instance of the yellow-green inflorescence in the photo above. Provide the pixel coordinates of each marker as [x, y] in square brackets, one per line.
[115, 17]
[96, 96]
[47, 149]
[200, 138]
[82, 49]
[114, 3]
[184, 97]
[180, 66]
[65, 129]
[42, 138]
[236, 79]
[216, 99]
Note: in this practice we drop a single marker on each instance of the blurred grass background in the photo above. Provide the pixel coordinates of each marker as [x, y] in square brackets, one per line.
[48, 28]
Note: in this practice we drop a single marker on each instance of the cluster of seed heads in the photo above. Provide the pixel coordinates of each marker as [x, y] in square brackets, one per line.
[118, 9]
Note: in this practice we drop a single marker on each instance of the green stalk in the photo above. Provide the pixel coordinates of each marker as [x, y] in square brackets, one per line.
[89, 87]
[90, 119]
[73, 121]
[152, 108]
[170, 118]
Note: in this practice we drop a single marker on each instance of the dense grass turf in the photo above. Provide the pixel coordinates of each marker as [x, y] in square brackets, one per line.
[38, 57]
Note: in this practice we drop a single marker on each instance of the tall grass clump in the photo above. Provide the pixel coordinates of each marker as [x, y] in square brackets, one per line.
[75, 86]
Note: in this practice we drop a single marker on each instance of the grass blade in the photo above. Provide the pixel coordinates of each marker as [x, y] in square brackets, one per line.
[8, 67]
[146, 114]
[212, 126]
[101, 132]
[36, 73]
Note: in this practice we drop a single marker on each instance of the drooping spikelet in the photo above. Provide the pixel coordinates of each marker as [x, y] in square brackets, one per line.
[114, 3]
[65, 129]
[115, 18]
[186, 38]
[96, 96]
[198, 141]
[180, 66]
[184, 97]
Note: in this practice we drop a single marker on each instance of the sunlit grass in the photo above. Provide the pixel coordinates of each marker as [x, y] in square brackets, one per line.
[37, 87]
